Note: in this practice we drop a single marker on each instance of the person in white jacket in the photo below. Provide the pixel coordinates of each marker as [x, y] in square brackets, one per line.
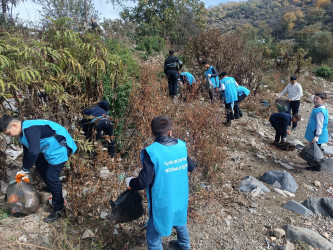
[295, 92]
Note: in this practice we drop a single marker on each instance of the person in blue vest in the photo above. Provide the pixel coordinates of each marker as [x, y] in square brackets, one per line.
[47, 145]
[189, 81]
[164, 174]
[281, 122]
[97, 117]
[316, 130]
[242, 93]
[171, 67]
[229, 87]
[211, 79]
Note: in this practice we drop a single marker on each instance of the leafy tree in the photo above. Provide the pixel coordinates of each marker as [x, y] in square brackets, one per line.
[170, 19]
[320, 46]
[5, 7]
[72, 9]
[289, 20]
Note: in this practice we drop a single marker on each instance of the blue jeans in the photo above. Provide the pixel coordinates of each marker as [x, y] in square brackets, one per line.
[154, 239]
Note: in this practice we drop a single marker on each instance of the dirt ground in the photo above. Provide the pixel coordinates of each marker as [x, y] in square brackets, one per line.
[220, 216]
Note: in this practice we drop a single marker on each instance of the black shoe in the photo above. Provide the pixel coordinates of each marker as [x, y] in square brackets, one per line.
[174, 244]
[228, 124]
[276, 143]
[55, 215]
[293, 128]
[45, 189]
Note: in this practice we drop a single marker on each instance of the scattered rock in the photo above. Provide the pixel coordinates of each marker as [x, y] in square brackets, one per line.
[317, 183]
[289, 246]
[309, 187]
[256, 192]
[273, 238]
[87, 234]
[4, 186]
[286, 166]
[308, 236]
[44, 197]
[326, 235]
[252, 211]
[262, 157]
[322, 206]
[283, 192]
[104, 173]
[227, 222]
[104, 215]
[249, 183]
[297, 208]
[328, 150]
[285, 179]
[327, 165]
[23, 238]
[279, 232]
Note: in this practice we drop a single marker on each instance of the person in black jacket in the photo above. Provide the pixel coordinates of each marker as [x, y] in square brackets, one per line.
[171, 67]
[97, 117]
[281, 122]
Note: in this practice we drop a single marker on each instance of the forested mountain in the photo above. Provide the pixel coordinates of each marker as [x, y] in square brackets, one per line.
[282, 19]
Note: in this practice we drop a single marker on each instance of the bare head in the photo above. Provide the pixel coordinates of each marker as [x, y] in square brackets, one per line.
[161, 125]
[11, 126]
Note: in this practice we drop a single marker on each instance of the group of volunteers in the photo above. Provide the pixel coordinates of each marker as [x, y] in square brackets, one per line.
[219, 86]
[316, 130]
[165, 163]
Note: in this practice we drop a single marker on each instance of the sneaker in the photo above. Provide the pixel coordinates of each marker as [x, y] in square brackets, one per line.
[293, 129]
[55, 215]
[228, 124]
[174, 245]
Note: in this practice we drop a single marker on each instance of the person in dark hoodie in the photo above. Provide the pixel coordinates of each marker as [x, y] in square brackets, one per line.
[165, 167]
[171, 67]
[97, 118]
[281, 122]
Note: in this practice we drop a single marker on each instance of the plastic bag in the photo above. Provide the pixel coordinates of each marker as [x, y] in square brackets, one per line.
[282, 105]
[312, 154]
[22, 198]
[209, 85]
[127, 207]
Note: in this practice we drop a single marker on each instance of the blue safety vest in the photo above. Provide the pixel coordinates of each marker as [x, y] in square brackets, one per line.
[189, 77]
[242, 90]
[213, 79]
[312, 125]
[230, 91]
[53, 151]
[169, 193]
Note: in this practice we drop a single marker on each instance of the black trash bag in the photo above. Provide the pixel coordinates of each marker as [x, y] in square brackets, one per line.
[22, 199]
[312, 154]
[127, 207]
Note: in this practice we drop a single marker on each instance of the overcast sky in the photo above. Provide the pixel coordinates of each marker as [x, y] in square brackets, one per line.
[28, 11]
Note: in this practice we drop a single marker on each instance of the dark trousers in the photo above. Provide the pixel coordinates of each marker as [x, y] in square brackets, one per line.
[103, 127]
[237, 110]
[230, 113]
[173, 82]
[280, 132]
[50, 175]
[294, 108]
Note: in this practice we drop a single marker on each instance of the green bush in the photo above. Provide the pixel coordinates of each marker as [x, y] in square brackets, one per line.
[150, 44]
[325, 72]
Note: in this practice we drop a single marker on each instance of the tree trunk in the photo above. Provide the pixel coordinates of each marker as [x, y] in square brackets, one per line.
[4, 10]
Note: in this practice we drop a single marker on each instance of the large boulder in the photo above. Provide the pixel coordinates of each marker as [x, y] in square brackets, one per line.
[308, 236]
[285, 179]
[328, 150]
[322, 206]
[249, 183]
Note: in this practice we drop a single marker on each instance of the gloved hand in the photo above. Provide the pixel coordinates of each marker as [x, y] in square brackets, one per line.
[315, 139]
[209, 75]
[22, 175]
[127, 180]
